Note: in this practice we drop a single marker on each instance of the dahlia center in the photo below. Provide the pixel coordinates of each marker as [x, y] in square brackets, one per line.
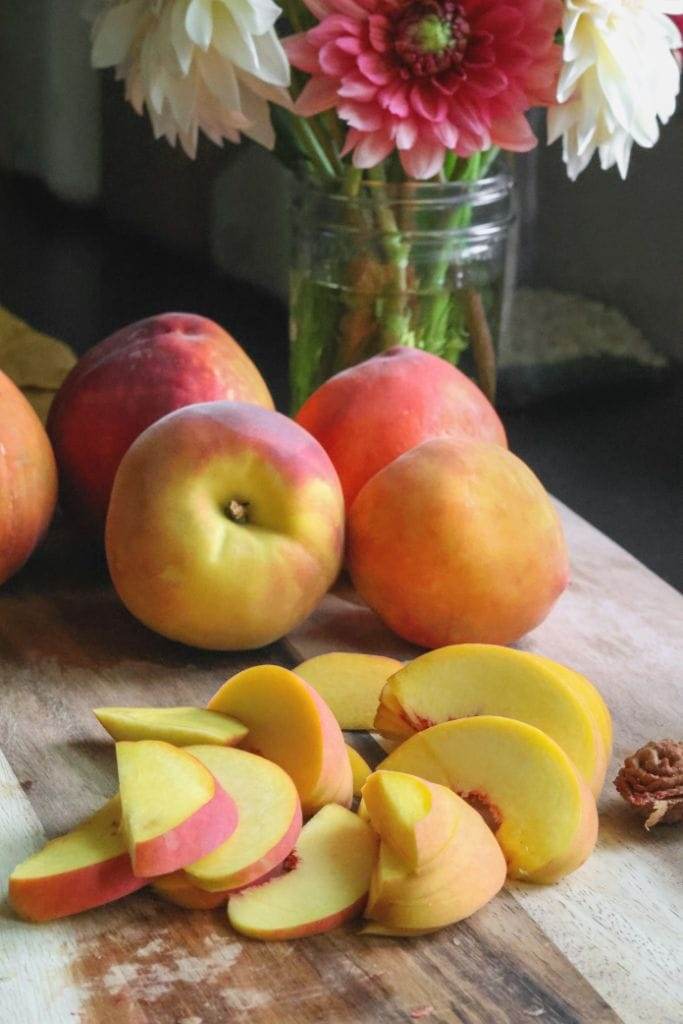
[431, 36]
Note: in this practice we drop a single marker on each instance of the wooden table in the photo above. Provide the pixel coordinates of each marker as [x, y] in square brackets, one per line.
[605, 944]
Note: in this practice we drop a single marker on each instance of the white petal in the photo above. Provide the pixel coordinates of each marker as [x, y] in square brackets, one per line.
[114, 32]
[273, 63]
[182, 44]
[220, 79]
[199, 23]
[229, 41]
[253, 16]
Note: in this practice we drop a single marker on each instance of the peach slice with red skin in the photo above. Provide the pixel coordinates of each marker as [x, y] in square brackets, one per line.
[463, 680]
[327, 885]
[268, 825]
[290, 724]
[85, 868]
[349, 683]
[544, 815]
[172, 810]
[179, 726]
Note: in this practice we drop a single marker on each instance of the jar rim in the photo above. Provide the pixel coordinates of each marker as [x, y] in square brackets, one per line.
[489, 189]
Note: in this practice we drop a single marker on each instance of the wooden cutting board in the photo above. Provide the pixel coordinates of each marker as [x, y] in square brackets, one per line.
[605, 944]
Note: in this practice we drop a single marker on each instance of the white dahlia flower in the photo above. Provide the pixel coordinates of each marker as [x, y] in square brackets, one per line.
[619, 80]
[197, 65]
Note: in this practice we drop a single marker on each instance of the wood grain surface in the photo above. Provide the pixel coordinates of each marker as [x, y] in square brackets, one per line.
[605, 944]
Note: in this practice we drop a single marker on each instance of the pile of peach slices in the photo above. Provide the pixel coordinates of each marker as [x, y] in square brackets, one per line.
[496, 758]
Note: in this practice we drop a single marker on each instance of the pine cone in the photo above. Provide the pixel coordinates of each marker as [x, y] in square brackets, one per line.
[652, 782]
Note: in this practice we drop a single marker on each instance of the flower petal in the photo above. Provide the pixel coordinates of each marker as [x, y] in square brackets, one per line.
[199, 23]
[114, 32]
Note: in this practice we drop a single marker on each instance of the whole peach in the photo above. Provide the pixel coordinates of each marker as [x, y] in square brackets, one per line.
[28, 479]
[368, 415]
[456, 542]
[130, 380]
[225, 526]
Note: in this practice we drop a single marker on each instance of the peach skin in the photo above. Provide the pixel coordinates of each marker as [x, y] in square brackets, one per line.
[368, 415]
[457, 542]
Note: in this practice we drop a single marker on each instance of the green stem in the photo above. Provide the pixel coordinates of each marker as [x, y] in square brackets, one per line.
[394, 322]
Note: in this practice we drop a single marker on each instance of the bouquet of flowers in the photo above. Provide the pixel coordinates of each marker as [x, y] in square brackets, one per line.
[394, 113]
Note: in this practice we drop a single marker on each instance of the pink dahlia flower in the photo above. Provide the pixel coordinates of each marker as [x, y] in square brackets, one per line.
[427, 76]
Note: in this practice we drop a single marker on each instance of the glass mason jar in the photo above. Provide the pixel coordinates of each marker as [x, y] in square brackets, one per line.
[427, 265]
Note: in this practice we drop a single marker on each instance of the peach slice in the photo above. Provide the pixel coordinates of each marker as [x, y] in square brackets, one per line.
[180, 726]
[350, 684]
[542, 811]
[467, 873]
[413, 816]
[589, 693]
[484, 679]
[290, 724]
[268, 825]
[85, 868]
[173, 811]
[178, 889]
[360, 769]
[327, 885]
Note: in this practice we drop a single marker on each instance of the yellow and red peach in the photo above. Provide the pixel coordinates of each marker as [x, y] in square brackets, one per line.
[368, 415]
[225, 526]
[28, 479]
[457, 542]
[130, 380]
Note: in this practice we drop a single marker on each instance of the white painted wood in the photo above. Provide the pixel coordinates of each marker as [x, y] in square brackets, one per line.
[35, 987]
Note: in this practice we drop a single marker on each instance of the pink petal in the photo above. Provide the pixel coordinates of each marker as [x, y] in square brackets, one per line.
[357, 87]
[394, 98]
[406, 134]
[334, 62]
[301, 54]
[317, 95]
[372, 149]
[428, 102]
[424, 160]
[378, 33]
[367, 117]
[488, 81]
[376, 68]
[446, 133]
[331, 28]
[350, 44]
[514, 134]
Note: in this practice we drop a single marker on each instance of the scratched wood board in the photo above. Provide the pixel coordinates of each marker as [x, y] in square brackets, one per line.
[605, 944]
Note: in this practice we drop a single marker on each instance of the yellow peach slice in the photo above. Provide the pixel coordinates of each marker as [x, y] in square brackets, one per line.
[85, 868]
[180, 726]
[172, 810]
[327, 884]
[360, 769]
[484, 679]
[178, 889]
[590, 694]
[290, 724]
[268, 824]
[350, 684]
[414, 817]
[468, 872]
[542, 811]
